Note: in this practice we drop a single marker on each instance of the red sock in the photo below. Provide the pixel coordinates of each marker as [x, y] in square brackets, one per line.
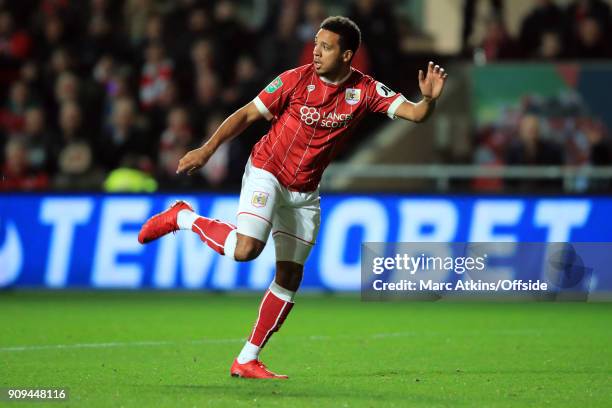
[213, 232]
[272, 313]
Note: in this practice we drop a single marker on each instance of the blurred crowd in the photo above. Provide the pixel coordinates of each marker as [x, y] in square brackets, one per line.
[582, 29]
[111, 93]
[558, 130]
[543, 131]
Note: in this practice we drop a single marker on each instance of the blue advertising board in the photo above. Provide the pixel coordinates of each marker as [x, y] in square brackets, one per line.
[90, 241]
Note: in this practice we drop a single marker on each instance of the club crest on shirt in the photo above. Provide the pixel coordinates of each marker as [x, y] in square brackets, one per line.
[260, 199]
[274, 85]
[310, 88]
[352, 96]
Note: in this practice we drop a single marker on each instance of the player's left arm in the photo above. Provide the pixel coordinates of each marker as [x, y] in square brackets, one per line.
[431, 84]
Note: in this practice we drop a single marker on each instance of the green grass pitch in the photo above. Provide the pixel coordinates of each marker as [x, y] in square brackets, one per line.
[175, 349]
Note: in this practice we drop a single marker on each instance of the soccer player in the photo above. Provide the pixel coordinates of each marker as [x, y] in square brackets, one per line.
[312, 110]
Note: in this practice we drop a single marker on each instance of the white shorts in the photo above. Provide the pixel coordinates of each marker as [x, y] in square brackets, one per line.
[292, 216]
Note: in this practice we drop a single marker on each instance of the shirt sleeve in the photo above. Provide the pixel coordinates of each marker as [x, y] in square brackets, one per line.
[274, 97]
[382, 99]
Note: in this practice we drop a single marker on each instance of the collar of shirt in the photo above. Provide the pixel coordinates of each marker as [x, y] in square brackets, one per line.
[337, 83]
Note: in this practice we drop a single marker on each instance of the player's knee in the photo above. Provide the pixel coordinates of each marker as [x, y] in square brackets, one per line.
[248, 249]
[289, 274]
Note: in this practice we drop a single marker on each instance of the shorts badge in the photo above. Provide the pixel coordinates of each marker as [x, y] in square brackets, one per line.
[260, 199]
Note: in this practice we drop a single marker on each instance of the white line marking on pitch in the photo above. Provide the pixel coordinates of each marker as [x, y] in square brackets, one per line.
[373, 336]
[116, 344]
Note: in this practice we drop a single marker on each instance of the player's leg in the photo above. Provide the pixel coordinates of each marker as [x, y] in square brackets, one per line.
[225, 238]
[289, 275]
[219, 235]
[274, 308]
[247, 248]
[242, 243]
[258, 200]
[295, 230]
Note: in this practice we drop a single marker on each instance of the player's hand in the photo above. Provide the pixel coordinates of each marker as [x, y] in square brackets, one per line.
[432, 83]
[194, 160]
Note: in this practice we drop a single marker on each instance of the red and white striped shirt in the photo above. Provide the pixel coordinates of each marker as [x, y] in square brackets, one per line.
[310, 118]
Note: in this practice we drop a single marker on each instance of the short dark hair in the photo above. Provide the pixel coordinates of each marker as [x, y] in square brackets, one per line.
[350, 34]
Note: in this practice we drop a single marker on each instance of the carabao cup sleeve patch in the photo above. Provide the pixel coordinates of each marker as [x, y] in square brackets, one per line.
[274, 85]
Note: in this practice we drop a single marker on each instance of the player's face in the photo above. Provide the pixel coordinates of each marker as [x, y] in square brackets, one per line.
[328, 58]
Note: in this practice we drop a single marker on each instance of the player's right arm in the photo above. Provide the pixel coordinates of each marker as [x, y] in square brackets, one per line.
[267, 105]
[235, 124]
